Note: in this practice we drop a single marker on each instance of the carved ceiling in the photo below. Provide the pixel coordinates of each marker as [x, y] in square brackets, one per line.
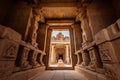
[59, 9]
[60, 12]
[60, 0]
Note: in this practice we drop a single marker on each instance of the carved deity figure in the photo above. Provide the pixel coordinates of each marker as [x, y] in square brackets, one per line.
[34, 32]
[86, 33]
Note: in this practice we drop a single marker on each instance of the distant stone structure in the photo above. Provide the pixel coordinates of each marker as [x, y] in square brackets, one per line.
[60, 37]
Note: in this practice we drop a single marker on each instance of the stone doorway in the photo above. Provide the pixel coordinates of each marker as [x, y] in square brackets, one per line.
[60, 56]
[60, 49]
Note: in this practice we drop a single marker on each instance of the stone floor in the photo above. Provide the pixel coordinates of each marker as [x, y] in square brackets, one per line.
[59, 75]
[56, 65]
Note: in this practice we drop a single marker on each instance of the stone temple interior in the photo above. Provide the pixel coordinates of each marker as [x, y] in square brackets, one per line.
[59, 39]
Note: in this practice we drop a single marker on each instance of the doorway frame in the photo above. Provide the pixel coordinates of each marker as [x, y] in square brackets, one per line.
[72, 45]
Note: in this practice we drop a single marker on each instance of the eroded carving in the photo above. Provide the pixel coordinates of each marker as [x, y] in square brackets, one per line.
[24, 63]
[86, 58]
[33, 59]
[111, 75]
[105, 54]
[34, 30]
[11, 51]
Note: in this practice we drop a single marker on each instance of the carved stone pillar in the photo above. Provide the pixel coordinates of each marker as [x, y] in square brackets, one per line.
[52, 55]
[86, 32]
[24, 57]
[34, 30]
[33, 58]
[41, 60]
[86, 58]
[67, 54]
[78, 59]
[95, 58]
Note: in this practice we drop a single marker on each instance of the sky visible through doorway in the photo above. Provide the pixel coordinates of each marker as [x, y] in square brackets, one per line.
[64, 32]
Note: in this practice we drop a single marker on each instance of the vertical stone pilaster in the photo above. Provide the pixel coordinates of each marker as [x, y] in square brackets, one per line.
[86, 58]
[33, 58]
[52, 61]
[95, 62]
[23, 57]
[67, 54]
[41, 60]
[86, 31]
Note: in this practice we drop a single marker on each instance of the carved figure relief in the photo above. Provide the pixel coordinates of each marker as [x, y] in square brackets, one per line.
[11, 51]
[105, 54]
[34, 30]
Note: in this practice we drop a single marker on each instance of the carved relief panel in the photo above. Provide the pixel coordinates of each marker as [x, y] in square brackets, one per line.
[107, 53]
[8, 49]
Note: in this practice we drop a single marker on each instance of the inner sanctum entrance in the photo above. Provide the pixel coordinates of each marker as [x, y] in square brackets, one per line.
[60, 49]
[60, 56]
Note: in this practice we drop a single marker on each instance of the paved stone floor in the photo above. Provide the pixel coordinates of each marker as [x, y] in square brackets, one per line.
[59, 75]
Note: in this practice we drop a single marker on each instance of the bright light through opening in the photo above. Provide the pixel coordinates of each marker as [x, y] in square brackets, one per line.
[60, 49]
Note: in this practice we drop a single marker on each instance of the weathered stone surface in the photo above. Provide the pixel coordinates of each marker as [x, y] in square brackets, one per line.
[33, 59]
[101, 36]
[109, 33]
[8, 33]
[26, 75]
[8, 49]
[112, 71]
[116, 46]
[23, 58]
[6, 68]
[107, 53]
[90, 75]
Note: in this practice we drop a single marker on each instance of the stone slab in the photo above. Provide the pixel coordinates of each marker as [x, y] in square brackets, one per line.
[112, 71]
[102, 36]
[8, 33]
[26, 75]
[6, 69]
[90, 75]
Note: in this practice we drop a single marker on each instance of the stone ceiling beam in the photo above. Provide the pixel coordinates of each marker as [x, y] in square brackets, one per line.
[59, 22]
[60, 4]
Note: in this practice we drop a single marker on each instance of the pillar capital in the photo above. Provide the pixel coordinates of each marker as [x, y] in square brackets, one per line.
[81, 14]
[39, 14]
